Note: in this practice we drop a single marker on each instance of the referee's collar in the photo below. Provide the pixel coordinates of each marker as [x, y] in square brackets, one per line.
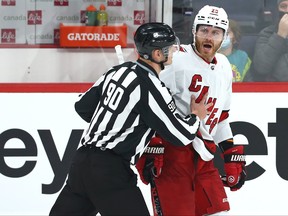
[147, 67]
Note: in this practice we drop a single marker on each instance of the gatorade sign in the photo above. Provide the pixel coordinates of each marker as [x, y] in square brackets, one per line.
[93, 36]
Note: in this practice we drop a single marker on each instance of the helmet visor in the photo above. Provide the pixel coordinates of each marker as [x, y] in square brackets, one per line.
[175, 47]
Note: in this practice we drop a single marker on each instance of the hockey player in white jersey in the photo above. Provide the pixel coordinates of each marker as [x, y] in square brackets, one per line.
[186, 179]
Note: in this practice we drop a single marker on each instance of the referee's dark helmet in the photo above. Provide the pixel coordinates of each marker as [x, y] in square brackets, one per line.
[151, 36]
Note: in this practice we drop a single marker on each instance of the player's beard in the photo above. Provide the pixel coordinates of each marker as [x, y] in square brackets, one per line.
[207, 48]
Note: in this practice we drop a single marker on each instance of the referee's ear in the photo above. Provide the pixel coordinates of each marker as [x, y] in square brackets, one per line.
[157, 55]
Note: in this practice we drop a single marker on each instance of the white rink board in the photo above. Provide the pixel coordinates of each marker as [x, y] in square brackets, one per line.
[33, 112]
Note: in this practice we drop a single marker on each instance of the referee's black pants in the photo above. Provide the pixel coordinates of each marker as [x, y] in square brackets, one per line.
[99, 182]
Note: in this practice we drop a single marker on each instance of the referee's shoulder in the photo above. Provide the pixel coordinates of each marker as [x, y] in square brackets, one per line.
[128, 64]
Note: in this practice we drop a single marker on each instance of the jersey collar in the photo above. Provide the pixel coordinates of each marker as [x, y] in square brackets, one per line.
[146, 67]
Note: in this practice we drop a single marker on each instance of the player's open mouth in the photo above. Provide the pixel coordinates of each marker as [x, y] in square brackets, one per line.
[207, 47]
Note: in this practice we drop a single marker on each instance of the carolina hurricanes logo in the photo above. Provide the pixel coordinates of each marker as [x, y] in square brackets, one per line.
[231, 179]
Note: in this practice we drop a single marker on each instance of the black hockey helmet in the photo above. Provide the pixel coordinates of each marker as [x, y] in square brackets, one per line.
[151, 36]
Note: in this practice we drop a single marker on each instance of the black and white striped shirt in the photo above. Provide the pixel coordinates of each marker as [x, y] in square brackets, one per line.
[126, 106]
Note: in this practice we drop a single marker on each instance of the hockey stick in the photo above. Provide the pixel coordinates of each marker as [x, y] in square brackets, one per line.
[155, 197]
[119, 54]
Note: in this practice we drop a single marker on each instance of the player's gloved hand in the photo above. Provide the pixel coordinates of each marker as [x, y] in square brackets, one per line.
[234, 167]
[151, 162]
[144, 166]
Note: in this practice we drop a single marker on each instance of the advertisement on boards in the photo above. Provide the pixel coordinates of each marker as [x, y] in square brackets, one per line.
[38, 21]
[39, 133]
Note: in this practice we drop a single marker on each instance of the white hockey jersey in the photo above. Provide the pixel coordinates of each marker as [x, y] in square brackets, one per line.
[190, 74]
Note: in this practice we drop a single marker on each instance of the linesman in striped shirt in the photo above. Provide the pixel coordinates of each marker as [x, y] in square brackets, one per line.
[125, 108]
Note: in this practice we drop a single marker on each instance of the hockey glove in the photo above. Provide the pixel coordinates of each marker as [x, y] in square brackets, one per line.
[150, 163]
[234, 167]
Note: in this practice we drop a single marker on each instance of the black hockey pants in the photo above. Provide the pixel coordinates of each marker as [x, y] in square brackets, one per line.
[99, 181]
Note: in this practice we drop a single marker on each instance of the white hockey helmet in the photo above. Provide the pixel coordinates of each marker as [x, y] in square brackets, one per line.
[211, 15]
